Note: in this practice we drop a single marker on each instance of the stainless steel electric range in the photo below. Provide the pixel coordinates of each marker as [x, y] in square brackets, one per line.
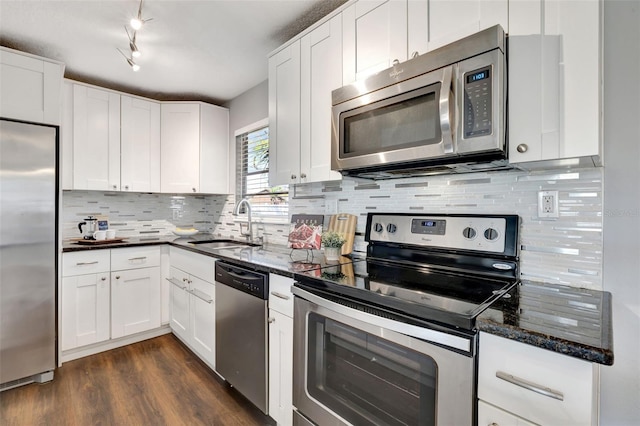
[391, 339]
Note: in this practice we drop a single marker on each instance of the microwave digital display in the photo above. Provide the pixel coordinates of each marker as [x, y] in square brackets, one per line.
[477, 76]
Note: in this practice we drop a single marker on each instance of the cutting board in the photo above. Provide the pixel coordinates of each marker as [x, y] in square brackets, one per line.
[345, 224]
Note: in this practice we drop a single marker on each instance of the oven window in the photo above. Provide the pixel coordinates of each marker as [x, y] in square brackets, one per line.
[404, 121]
[366, 379]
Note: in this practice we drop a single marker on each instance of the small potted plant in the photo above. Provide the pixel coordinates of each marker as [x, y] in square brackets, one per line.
[332, 242]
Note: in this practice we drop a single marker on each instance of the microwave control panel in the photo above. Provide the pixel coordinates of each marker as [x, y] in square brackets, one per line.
[477, 102]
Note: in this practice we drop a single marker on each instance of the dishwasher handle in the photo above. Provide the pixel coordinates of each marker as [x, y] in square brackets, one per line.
[251, 282]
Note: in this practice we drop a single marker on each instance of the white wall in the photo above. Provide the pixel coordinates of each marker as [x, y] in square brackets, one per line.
[250, 107]
[620, 388]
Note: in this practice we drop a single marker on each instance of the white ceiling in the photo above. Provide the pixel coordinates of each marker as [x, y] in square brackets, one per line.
[210, 50]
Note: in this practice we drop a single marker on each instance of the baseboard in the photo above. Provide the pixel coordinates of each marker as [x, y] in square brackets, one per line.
[96, 348]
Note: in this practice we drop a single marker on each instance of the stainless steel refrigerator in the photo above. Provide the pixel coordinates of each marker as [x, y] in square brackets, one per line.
[28, 254]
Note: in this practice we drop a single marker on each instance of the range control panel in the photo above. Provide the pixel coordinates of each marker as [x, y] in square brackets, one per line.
[476, 233]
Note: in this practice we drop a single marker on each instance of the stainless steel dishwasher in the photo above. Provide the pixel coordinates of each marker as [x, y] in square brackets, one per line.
[241, 331]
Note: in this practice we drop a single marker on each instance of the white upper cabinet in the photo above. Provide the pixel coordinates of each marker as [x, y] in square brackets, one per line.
[555, 81]
[435, 23]
[194, 148]
[29, 87]
[96, 139]
[374, 35]
[284, 115]
[139, 145]
[301, 78]
[321, 73]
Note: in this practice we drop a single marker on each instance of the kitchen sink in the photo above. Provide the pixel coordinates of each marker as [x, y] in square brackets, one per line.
[223, 243]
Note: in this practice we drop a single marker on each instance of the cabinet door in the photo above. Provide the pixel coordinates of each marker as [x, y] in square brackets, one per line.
[29, 87]
[179, 303]
[280, 368]
[180, 147]
[488, 415]
[321, 72]
[140, 145]
[375, 34]
[435, 23]
[536, 384]
[85, 310]
[96, 139]
[554, 106]
[203, 319]
[214, 149]
[135, 301]
[284, 116]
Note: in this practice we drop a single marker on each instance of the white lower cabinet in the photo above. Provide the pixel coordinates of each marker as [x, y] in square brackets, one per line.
[522, 384]
[488, 415]
[108, 294]
[135, 301]
[280, 349]
[85, 298]
[192, 302]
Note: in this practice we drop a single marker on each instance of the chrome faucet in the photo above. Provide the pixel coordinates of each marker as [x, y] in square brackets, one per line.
[249, 232]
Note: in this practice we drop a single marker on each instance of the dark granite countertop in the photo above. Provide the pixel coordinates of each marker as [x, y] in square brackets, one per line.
[568, 320]
[270, 258]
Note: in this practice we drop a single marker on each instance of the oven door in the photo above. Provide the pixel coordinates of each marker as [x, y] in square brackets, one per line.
[356, 368]
[407, 121]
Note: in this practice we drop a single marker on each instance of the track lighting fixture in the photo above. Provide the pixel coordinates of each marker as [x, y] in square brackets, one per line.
[130, 61]
[137, 22]
[135, 52]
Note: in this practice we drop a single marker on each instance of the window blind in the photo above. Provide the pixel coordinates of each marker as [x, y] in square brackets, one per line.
[252, 177]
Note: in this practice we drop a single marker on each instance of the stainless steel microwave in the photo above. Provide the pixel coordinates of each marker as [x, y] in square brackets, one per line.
[442, 110]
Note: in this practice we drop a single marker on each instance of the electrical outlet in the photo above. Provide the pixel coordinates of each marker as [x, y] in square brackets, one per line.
[548, 204]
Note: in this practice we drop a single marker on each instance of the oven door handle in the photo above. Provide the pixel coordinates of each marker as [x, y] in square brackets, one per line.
[424, 333]
[446, 105]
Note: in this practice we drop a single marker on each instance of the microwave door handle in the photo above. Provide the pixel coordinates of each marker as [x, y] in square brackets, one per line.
[446, 105]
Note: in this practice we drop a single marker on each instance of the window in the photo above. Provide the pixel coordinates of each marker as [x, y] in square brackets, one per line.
[252, 177]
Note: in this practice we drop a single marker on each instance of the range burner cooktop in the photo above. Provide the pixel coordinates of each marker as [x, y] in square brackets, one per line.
[435, 268]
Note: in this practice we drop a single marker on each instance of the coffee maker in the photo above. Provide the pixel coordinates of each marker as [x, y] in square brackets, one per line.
[91, 224]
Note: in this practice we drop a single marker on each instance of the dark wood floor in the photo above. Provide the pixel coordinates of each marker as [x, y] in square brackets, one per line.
[155, 382]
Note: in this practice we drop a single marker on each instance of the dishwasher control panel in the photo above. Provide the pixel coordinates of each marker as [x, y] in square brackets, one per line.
[248, 281]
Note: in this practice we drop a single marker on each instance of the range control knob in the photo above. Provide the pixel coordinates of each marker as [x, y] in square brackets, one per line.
[378, 227]
[391, 228]
[490, 234]
[469, 233]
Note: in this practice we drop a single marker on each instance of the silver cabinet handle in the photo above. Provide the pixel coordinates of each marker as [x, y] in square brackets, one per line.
[86, 263]
[115, 186]
[177, 283]
[414, 54]
[271, 319]
[280, 295]
[137, 258]
[522, 148]
[117, 277]
[303, 175]
[103, 278]
[293, 177]
[201, 295]
[542, 390]
[193, 189]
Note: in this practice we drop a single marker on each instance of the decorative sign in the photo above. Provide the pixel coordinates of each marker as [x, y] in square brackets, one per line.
[305, 231]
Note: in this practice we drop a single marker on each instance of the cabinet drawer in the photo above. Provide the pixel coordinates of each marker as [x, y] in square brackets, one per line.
[539, 385]
[134, 258]
[280, 296]
[85, 262]
[489, 415]
[195, 264]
